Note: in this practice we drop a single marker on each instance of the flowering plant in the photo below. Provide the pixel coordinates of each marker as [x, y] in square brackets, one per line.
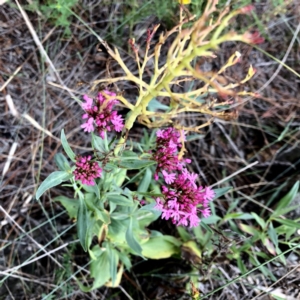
[105, 205]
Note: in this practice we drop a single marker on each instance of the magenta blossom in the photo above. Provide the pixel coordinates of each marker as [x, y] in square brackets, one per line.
[183, 201]
[168, 142]
[86, 170]
[100, 115]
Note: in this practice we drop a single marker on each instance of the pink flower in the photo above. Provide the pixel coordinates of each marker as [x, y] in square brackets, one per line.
[118, 123]
[183, 222]
[88, 126]
[194, 220]
[173, 204]
[169, 178]
[166, 153]
[159, 204]
[209, 194]
[86, 170]
[166, 214]
[88, 104]
[101, 116]
[190, 176]
[205, 212]
[183, 200]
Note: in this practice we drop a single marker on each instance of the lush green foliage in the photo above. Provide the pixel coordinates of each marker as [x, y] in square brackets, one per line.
[57, 11]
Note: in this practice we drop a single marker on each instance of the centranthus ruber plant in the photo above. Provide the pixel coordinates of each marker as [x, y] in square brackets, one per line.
[117, 206]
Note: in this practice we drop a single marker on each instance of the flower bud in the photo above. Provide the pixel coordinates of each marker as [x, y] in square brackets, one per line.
[247, 9]
[252, 38]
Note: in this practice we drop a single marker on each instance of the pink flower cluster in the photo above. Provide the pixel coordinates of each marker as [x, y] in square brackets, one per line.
[182, 199]
[86, 170]
[166, 154]
[101, 114]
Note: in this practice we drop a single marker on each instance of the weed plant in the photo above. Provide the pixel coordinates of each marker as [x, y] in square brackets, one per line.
[121, 187]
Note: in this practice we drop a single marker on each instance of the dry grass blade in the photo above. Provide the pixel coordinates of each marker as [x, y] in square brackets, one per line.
[44, 54]
[33, 240]
[234, 174]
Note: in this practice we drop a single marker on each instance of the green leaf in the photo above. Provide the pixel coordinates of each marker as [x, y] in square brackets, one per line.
[204, 225]
[286, 231]
[132, 242]
[238, 215]
[102, 215]
[287, 199]
[286, 210]
[52, 180]
[259, 220]
[194, 137]
[154, 105]
[66, 146]
[269, 245]
[150, 194]
[158, 248]
[213, 219]
[125, 260]
[112, 207]
[61, 162]
[288, 223]
[117, 229]
[71, 205]
[147, 214]
[100, 144]
[120, 177]
[82, 224]
[248, 229]
[129, 153]
[241, 265]
[145, 183]
[184, 235]
[172, 240]
[119, 199]
[92, 189]
[273, 234]
[149, 207]
[120, 216]
[134, 164]
[100, 268]
[113, 263]
[155, 233]
[118, 278]
[190, 251]
[222, 191]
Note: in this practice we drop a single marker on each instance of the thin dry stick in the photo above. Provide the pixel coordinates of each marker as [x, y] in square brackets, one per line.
[14, 269]
[281, 64]
[256, 202]
[287, 274]
[235, 173]
[38, 281]
[24, 209]
[5, 84]
[33, 122]
[9, 158]
[41, 48]
[21, 66]
[32, 239]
